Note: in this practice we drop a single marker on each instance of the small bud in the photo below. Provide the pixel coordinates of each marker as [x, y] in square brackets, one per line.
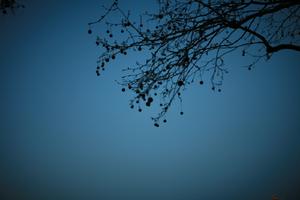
[180, 83]
[150, 99]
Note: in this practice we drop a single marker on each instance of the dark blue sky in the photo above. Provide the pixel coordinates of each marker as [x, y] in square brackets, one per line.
[67, 134]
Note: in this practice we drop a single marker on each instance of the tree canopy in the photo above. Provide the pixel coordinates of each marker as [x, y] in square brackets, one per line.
[187, 40]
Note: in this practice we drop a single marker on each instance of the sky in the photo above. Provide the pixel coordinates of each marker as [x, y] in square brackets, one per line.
[67, 134]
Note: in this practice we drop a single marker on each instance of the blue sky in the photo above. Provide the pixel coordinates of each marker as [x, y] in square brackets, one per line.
[66, 133]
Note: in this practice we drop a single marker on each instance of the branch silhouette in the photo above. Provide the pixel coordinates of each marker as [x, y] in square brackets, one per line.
[186, 40]
[6, 5]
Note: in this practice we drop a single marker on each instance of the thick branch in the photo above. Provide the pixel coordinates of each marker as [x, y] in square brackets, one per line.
[270, 11]
[283, 47]
[269, 48]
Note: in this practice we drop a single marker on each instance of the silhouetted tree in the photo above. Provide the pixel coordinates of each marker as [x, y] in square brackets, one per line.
[186, 39]
[6, 5]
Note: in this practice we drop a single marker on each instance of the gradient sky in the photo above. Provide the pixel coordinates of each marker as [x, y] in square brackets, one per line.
[67, 134]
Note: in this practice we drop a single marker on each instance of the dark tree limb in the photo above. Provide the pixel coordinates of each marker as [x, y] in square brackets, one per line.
[6, 5]
[186, 40]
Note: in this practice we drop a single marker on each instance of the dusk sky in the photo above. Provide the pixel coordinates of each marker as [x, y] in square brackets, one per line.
[67, 134]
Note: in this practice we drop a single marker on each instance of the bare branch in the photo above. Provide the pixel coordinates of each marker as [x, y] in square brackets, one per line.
[187, 40]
